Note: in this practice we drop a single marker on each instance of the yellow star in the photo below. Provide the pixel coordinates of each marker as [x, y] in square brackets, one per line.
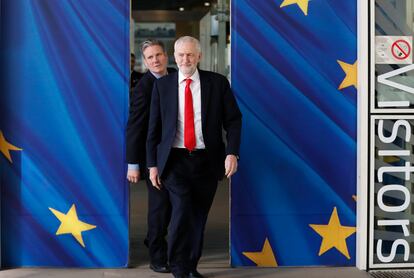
[334, 235]
[303, 4]
[265, 258]
[6, 147]
[351, 74]
[70, 224]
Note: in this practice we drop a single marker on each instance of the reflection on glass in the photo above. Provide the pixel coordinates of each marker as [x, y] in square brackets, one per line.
[389, 234]
[394, 18]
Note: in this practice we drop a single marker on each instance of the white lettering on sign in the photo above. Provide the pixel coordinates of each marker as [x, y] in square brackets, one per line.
[394, 246]
[401, 129]
[394, 133]
[384, 79]
[404, 223]
[393, 187]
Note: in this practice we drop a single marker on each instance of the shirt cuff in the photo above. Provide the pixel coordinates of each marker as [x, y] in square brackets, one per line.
[133, 166]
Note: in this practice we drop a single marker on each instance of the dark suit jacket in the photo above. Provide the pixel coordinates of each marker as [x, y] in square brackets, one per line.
[218, 110]
[137, 126]
[134, 79]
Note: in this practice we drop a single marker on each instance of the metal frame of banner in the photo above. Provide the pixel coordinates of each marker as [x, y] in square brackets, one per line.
[362, 133]
[1, 172]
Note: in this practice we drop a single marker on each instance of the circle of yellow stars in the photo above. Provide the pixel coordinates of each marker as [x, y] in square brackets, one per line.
[333, 234]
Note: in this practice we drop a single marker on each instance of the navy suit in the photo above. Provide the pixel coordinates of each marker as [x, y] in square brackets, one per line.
[159, 209]
[191, 178]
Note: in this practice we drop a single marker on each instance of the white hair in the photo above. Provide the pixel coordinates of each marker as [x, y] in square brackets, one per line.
[184, 39]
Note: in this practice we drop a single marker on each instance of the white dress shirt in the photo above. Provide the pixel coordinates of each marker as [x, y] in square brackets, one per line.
[196, 93]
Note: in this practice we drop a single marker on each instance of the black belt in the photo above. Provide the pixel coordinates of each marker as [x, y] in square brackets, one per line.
[187, 152]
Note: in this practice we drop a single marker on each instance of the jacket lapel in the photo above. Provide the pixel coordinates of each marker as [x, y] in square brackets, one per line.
[205, 97]
[151, 76]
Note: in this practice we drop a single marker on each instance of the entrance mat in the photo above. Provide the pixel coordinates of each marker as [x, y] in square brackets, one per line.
[392, 274]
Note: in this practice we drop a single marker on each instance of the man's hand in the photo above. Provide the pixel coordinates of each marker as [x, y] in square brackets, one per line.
[133, 175]
[230, 164]
[155, 179]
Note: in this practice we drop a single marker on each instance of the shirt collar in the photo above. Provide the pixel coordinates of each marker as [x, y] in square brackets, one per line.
[194, 77]
[158, 76]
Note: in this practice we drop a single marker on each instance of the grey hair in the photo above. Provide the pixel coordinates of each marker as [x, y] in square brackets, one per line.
[150, 42]
[187, 39]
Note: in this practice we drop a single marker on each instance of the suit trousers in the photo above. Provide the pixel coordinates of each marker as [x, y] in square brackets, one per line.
[191, 185]
[159, 214]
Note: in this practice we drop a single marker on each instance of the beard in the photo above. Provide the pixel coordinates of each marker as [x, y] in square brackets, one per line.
[187, 70]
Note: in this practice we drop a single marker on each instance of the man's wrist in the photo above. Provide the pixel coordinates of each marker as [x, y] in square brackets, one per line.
[236, 155]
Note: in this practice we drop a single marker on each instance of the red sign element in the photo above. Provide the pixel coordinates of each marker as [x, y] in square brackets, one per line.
[400, 49]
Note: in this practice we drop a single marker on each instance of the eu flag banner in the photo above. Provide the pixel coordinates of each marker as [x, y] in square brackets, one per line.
[64, 90]
[294, 74]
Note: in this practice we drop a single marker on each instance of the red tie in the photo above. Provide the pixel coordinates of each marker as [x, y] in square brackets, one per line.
[189, 132]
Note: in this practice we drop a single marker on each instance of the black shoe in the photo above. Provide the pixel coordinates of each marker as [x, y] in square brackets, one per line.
[180, 275]
[195, 274]
[160, 268]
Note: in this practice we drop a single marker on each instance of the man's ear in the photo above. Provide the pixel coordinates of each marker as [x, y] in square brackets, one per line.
[175, 58]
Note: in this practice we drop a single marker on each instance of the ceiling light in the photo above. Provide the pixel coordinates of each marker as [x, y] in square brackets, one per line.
[181, 9]
[207, 4]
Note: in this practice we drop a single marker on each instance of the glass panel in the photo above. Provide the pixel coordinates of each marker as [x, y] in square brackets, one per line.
[393, 50]
[393, 207]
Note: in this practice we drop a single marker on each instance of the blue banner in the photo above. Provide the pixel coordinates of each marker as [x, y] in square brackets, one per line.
[294, 74]
[64, 90]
